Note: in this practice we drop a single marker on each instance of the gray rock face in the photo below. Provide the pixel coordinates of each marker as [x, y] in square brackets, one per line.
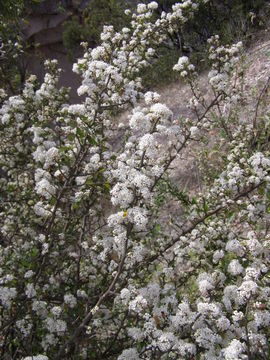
[51, 7]
[38, 24]
[50, 14]
[45, 26]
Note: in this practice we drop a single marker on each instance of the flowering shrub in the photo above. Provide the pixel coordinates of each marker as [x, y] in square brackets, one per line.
[92, 264]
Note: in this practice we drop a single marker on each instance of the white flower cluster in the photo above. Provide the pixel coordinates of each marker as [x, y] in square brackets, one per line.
[7, 295]
[105, 249]
[70, 300]
[223, 61]
[184, 67]
[56, 326]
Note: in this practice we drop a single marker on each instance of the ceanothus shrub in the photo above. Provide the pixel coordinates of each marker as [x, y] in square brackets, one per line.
[103, 254]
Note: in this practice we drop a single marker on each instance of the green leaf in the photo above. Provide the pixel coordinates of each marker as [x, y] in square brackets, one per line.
[71, 137]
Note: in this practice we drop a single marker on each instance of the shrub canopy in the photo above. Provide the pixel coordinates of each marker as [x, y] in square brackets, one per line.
[103, 253]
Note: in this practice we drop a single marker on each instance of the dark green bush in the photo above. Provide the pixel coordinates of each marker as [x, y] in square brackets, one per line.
[13, 48]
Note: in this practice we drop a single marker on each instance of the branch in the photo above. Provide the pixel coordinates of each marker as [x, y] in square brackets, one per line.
[263, 91]
[197, 222]
[65, 349]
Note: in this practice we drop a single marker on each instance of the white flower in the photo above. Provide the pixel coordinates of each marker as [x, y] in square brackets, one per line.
[40, 154]
[247, 289]
[129, 354]
[252, 273]
[138, 304]
[125, 295]
[139, 121]
[141, 181]
[56, 311]
[153, 5]
[121, 195]
[184, 316]
[194, 130]
[205, 283]
[37, 131]
[161, 110]
[76, 109]
[235, 268]
[148, 140]
[262, 318]
[83, 89]
[98, 53]
[237, 316]
[234, 350]
[206, 338]
[151, 97]
[70, 300]
[56, 326]
[218, 254]
[30, 291]
[28, 274]
[82, 294]
[5, 119]
[181, 64]
[116, 219]
[45, 188]
[80, 180]
[6, 296]
[136, 333]
[208, 309]
[166, 341]
[40, 307]
[16, 102]
[40, 210]
[141, 8]
[24, 326]
[51, 156]
[95, 159]
[223, 323]
[235, 247]
[139, 217]
[253, 244]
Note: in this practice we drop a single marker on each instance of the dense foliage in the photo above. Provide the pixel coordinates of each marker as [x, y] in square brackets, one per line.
[102, 254]
[10, 45]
